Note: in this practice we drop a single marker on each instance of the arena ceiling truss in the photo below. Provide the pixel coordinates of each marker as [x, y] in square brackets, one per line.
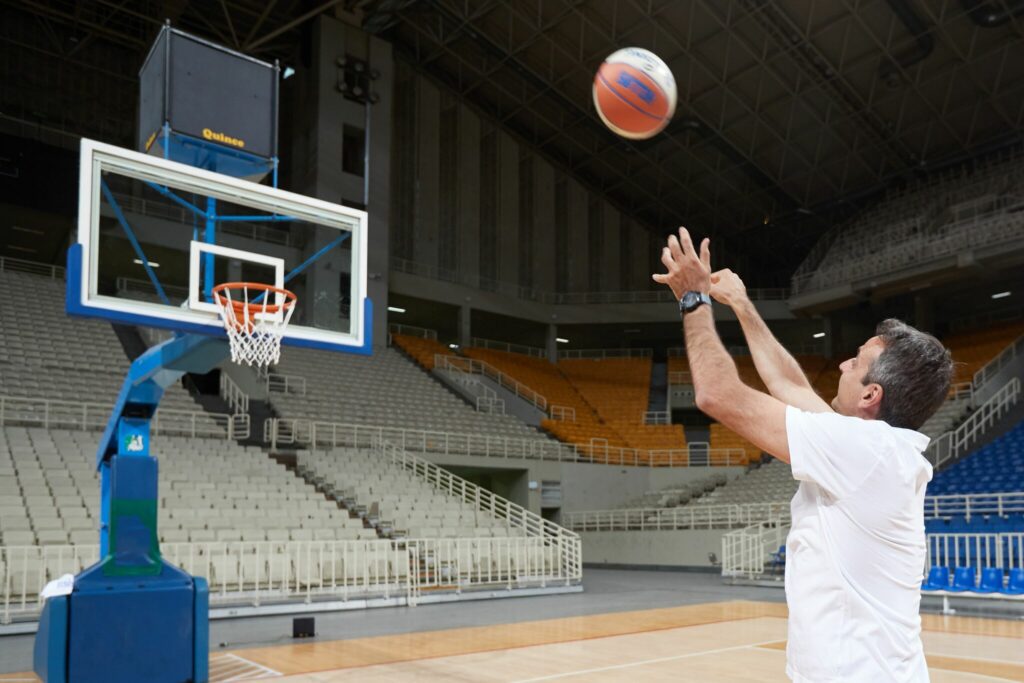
[790, 111]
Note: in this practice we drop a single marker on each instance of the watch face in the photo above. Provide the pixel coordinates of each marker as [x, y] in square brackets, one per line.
[689, 300]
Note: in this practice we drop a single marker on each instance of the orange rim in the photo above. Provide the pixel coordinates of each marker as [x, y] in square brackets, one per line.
[240, 306]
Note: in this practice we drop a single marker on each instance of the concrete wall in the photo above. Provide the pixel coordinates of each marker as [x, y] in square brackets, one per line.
[686, 548]
[600, 487]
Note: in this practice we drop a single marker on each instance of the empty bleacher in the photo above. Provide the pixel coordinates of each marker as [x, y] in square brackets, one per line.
[996, 467]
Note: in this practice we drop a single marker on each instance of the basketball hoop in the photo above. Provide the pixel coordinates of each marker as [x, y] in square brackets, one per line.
[255, 317]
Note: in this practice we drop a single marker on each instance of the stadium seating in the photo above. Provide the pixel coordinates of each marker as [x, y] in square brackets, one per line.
[996, 467]
[772, 482]
[384, 389]
[395, 501]
[674, 496]
[972, 349]
[44, 354]
[422, 350]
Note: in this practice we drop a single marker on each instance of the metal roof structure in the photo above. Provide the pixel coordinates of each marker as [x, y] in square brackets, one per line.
[790, 111]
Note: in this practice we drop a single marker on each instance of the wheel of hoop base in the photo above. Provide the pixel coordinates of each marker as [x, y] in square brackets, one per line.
[254, 325]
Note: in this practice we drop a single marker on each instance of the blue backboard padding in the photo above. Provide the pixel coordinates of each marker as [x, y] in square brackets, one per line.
[130, 634]
[201, 642]
[50, 651]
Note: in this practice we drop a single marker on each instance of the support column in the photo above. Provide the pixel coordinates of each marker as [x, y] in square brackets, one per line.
[551, 344]
[465, 327]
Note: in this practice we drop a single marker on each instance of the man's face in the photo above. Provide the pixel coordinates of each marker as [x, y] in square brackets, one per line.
[852, 392]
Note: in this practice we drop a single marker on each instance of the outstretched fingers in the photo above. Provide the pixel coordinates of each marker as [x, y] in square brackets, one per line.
[705, 253]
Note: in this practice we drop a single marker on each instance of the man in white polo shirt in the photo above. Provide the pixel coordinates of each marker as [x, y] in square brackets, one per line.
[856, 550]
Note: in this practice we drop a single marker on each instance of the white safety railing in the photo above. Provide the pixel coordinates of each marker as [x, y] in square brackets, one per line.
[563, 413]
[309, 433]
[492, 405]
[286, 384]
[129, 286]
[657, 417]
[507, 347]
[952, 445]
[249, 573]
[233, 395]
[746, 551]
[1004, 550]
[54, 414]
[992, 368]
[680, 377]
[17, 265]
[472, 366]
[973, 504]
[412, 331]
[684, 517]
[459, 373]
[602, 354]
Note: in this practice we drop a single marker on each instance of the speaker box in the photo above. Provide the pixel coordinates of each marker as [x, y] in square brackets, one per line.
[303, 627]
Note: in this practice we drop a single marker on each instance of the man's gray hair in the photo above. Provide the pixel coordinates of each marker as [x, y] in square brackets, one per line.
[914, 371]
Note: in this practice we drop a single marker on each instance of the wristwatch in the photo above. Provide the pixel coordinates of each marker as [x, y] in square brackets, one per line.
[691, 301]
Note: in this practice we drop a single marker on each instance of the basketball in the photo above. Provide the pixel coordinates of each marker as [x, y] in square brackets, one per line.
[635, 93]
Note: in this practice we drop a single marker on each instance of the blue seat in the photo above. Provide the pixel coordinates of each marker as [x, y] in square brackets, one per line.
[938, 579]
[963, 579]
[991, 580]
[1015, 586]
[778, 559]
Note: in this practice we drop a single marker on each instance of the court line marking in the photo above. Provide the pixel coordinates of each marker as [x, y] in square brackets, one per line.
[259, 670]
[628, 665]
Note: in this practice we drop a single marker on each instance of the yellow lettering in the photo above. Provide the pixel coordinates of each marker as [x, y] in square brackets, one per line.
[207, 133]
[149, 142]
[221, 137]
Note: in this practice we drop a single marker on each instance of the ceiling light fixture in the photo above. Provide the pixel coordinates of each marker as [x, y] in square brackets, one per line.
[819, 335]
[1000, 295]
[152, 264]
[561, 341]
[396, 309]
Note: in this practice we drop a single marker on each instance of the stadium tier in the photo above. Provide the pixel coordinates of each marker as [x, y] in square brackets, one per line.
[994, 468]
[422, 349]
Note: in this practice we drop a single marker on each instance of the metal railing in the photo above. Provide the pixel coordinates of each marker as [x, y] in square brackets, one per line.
[745, 551]
[952, 445]
[55, 414]
[233, 395]
[286, 384]
[130, 285]
[472, 366]
[1004, 550]
[657, 417]
[683, 517]
[563, 413]
[560, 298]
[973, 504]
[412, 331]
[17, 265]
[601, 354]
[507, 347]
[317, 434]
[680, 377]
[299, 572]
[992, 368]
[458, 372]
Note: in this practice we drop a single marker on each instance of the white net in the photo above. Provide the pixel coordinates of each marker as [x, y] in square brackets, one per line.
[255, 318]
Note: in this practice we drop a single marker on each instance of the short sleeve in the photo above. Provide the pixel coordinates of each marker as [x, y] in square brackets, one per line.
[834, 451]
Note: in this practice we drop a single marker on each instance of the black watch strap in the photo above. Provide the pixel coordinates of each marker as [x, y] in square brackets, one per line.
[691, 301]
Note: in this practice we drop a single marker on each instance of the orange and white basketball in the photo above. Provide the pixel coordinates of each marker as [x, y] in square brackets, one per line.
[635, 93]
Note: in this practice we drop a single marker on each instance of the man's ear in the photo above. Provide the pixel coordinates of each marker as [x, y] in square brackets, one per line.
[871, 398]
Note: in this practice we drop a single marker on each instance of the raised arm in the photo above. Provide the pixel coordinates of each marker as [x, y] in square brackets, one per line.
[779, 371]
[756, 416]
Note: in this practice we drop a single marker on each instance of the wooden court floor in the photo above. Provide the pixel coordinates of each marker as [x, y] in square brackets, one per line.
[728, 641]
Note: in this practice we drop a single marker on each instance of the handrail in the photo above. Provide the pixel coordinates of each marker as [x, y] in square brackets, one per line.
[233, 395]
[299, 572]
[321, 434]
[744, 551]
[561, 298]
[992, 368]
[286, 384]
[658, 417]
[602, 354]
[563, 413]
[1000, 549]
[472, 366]
[508, 348]
[412, 331]
[515, 516]
[971, 504]
[17, 265]
[680, 377]
[81, 415]
[953, 444]
[683, 517]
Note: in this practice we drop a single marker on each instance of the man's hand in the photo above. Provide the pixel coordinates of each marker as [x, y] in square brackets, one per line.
[686, 272]
[727, 288]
